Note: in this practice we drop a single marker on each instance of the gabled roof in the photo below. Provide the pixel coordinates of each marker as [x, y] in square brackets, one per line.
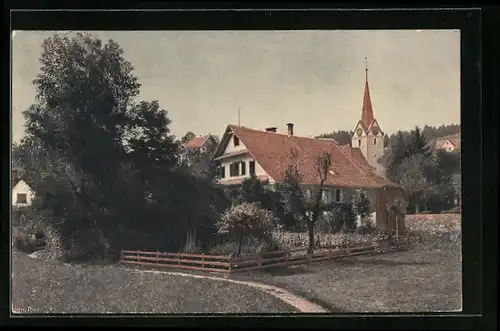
[197, 142]
[357, 155]
[273, 150]
[454, 139]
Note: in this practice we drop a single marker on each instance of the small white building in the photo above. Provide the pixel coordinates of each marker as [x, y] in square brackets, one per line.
[22, 193]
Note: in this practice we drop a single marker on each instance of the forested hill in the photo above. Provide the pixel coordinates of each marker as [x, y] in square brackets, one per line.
[430, 132]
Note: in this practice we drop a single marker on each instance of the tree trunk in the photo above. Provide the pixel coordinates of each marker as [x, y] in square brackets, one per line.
[310, 229]
[239, 246]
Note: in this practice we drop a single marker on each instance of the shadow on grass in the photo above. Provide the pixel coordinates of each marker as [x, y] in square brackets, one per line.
[380, 262]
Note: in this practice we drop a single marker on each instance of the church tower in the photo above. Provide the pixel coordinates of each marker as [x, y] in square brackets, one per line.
[368, 135]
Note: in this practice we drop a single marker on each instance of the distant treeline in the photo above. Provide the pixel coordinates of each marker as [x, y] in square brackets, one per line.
[430, 133]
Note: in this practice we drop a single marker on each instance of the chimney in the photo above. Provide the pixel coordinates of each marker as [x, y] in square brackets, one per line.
[290, 129]
[271, 129]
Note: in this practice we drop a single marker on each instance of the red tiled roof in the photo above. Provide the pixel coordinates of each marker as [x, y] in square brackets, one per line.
[196, 142]
[367, 117]
[454, 139]
[356, 154]
[273, 150]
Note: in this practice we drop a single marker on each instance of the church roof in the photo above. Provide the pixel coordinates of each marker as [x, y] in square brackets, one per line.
[367, 117]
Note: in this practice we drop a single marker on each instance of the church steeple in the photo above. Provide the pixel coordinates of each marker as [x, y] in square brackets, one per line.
[367, 111]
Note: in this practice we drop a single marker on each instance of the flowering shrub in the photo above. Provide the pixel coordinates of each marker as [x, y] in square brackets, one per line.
[245, 219]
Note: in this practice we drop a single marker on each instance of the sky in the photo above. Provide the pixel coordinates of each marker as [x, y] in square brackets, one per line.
[314, 79]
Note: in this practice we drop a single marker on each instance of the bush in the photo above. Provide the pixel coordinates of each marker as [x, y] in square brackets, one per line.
[22, 216]
[24, 239]
[343, 218]
[361, 204]
[324, 223]
[367, 228]
[246, 219]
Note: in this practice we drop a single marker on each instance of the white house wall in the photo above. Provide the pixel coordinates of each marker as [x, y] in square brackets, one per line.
[230, 148]
[259, 171]
[22, 188]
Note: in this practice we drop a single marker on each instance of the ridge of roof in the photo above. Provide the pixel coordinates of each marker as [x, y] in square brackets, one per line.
[352, 174]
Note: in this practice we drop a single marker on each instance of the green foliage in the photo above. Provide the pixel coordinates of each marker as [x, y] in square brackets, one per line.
[293, 199]
[105, 168]
[245, 219]
[343, 217]
[187, 137]
[253, 190]
[342, 137]
[413, 179]
[418, 143]
[361, 203]
[28, 238]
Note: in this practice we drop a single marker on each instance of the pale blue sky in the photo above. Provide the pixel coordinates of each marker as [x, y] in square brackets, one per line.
[314, 79]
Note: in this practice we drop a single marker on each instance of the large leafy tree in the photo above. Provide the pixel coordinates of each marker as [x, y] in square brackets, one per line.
[412, 177]
[110, 172]
[306, 207]
[418, 143]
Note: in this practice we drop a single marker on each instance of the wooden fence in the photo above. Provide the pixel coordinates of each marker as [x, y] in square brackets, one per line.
[229, 264]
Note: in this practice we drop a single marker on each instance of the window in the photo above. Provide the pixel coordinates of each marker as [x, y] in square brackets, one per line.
[374, 141]
[236, 141]
[22, 198]
[234, 169]
[252, 167]
[359, 142]
[338, 195]
[243, 168]
[222, 172]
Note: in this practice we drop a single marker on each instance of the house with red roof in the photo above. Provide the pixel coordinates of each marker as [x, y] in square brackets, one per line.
[267, 154]
[449, 143]
[205, 144]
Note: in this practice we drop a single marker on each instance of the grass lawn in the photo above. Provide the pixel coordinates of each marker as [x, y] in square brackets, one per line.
[51, 287]
[425, 278]
[420, 279]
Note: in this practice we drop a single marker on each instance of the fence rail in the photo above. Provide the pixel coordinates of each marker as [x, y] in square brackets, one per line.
[230, 264]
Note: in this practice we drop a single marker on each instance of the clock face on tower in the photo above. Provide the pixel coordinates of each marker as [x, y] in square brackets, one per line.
[375, 130]
[359, 132]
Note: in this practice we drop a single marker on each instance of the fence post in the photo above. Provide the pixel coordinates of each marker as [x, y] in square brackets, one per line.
[259, 260]
[138, 258]
[230, 264]
[157, 257]
[178, 258]
[121, 255]
[203, 260]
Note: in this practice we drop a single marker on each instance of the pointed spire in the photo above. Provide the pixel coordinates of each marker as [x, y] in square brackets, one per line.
[367, 117]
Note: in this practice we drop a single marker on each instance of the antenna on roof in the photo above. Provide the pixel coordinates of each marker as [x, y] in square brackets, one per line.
[239, 108]
[366, 69]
